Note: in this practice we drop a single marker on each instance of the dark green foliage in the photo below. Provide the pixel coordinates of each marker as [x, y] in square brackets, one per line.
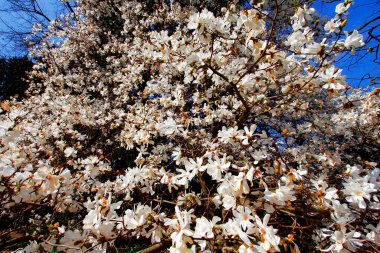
[13, 73]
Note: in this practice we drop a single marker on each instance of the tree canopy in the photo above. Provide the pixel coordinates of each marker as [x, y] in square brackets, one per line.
[165, 124]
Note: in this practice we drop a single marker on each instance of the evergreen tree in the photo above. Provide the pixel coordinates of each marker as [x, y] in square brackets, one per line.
[13, 77]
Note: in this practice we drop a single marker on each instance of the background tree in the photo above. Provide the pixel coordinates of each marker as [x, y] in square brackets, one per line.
[13, 77]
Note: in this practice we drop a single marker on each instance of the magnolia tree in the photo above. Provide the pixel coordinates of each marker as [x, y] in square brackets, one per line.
[227, 131]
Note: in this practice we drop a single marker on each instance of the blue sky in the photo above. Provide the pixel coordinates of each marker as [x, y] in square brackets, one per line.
[19, 22]
[359, 13]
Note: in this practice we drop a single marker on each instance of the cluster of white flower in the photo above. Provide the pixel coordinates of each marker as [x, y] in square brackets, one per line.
[192, 131]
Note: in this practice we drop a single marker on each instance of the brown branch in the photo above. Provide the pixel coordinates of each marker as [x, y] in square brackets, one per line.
[17, 240]
[233, 86]
[368, 23]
